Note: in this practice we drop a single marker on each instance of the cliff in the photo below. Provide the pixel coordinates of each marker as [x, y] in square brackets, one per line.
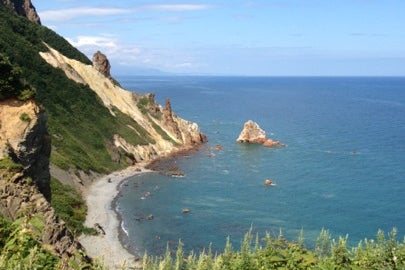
[23, 8]
[25, 192]
[24, 137]
[86, 125]
[167, 132]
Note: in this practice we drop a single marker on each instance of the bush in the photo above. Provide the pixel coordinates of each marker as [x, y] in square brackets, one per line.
[11, 85]
[70, 206]
[278, 253]
[20, 250]
[25, 117]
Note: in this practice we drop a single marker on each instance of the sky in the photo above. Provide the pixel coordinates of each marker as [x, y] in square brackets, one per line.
[238, 37]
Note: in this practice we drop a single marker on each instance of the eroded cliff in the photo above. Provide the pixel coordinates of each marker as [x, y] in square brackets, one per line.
[168, 132]
[23, 8]
[24, 137]
[24, 185]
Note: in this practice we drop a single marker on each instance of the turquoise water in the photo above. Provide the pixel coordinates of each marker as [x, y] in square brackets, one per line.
[343, 168]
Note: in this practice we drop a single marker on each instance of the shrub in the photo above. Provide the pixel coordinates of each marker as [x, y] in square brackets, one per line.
[70, 206]
[25, 117]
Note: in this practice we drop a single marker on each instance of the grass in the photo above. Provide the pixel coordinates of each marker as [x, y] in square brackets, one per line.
[70, 206]
[80, 125]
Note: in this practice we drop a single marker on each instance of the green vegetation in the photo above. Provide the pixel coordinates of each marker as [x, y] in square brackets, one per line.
[81, 127]
[147, 105]
[278, 253]
[8, 165]
[142, 138]
[143, 105]
[69, 205]
[11, 84]
[19, 248]
[163, 133]
[25, 117]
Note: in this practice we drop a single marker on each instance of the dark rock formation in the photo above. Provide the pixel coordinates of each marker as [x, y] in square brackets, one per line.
[175, 172]
[26, 192]
[19, 196]
[101, 63]
[23, 8]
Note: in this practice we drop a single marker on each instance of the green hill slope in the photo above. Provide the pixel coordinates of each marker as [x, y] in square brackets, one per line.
[81, 127]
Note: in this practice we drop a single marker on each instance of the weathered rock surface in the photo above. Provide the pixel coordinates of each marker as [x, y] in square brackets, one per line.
[18, 196]
[252, 133]
[24, 137]
[181, 134]
[102, 64]
[23, 8]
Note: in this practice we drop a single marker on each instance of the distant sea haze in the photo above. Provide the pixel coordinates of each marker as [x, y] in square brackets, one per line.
[343, 168]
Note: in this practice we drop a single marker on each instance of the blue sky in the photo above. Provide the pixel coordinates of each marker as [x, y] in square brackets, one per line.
[239, 37]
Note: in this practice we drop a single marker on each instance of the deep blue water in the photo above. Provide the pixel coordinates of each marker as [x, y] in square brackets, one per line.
[343, 168]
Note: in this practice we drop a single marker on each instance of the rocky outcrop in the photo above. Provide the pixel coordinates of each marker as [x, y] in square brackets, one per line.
[102, 64]
[25, 192]
[24, 137]
[19, 197]
[252, 133]
[169, 120]
[169, 132]
[23, 8]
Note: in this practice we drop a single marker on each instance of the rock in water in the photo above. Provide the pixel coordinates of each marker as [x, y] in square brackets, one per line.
[252, 133]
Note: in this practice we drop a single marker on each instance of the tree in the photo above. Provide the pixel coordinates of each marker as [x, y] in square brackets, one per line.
[11, 84]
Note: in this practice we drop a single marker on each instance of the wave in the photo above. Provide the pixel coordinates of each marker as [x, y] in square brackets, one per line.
[124, 229]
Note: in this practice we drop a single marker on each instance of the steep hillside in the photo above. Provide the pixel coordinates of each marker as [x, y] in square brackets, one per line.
[57, 108]
[95, 126]
[31, 234]
[23, 8]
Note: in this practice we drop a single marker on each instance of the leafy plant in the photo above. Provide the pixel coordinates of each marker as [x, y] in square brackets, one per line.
[20, 250]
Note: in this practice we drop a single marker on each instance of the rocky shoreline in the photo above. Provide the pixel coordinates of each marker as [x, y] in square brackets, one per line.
[101, 197]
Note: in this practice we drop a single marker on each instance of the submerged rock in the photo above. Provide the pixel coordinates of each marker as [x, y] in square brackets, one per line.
[186, 211]
[175, 171]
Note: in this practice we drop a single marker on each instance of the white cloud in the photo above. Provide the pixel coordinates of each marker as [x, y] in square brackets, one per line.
[66, 14]
[94, 41]
[72, 13]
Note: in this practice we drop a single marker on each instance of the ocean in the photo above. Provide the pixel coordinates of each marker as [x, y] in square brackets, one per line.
[343, 168]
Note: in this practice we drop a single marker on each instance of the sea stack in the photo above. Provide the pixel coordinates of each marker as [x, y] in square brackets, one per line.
[252, 133]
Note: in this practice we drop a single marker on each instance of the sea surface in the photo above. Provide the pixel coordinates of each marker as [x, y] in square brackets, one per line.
[343, 168]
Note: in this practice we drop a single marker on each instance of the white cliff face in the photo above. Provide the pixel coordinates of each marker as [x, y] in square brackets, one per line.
[181, 133]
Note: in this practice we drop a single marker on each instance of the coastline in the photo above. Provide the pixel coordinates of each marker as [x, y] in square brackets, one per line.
[108, 249]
